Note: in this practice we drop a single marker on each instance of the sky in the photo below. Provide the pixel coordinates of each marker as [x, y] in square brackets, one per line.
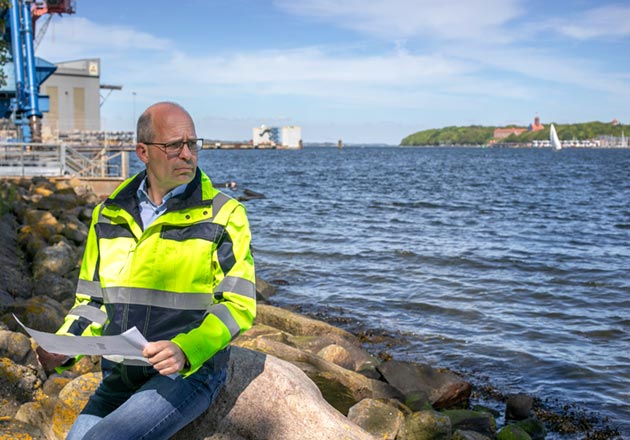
[364, 71]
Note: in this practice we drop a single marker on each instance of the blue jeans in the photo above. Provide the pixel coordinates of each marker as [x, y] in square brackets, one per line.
[137, 403]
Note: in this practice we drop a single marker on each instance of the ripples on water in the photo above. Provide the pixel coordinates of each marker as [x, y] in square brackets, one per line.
[509, 262]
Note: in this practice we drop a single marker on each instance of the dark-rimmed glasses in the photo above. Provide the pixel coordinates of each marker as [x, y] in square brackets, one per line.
[176, 147]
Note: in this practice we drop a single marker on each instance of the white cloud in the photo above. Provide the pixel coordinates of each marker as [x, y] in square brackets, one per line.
[453, 19]
[78, 37]
[547, 68]
[603, 22]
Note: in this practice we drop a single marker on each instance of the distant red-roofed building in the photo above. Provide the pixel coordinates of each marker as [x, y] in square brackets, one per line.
[500, 133]
[615, 122]
[536, 126]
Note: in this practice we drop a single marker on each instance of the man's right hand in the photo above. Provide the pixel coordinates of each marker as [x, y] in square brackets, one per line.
[49, 361]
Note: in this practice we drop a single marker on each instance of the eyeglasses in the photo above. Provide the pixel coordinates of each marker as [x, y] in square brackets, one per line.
[176, 147]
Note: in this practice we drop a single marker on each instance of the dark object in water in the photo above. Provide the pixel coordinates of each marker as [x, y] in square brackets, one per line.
[248, 194]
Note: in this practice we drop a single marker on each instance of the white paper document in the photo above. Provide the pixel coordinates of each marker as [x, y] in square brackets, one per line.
[128, 344]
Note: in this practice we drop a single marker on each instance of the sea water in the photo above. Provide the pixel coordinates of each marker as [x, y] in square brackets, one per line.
[512, 264]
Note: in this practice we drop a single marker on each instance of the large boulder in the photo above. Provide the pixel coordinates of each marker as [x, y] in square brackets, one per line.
[71, 401]
[444, 389]
[267, 398]
[40, 313]
[298, 325]
[17, 347]
[342, 388]
[59, 258]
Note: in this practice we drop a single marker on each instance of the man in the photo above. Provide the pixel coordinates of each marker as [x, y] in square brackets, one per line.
[169, 254]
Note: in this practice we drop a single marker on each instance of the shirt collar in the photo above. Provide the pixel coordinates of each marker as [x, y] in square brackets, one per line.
[143, 194]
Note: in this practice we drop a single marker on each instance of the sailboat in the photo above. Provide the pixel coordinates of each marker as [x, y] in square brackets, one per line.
[554, 139]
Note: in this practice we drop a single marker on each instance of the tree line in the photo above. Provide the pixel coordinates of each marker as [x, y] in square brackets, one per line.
[482, 135]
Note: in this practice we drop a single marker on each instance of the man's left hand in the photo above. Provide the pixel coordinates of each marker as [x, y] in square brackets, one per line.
[165, 356]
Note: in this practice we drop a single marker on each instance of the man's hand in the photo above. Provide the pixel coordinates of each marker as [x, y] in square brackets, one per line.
[165, 356]
[49, 361]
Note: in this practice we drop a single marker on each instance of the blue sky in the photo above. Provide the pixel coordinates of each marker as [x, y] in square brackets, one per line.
[364, 71]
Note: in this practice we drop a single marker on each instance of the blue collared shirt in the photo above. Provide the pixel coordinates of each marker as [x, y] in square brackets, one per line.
[149, 211]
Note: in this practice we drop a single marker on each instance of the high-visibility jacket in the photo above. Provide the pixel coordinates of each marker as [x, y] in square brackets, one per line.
[188, 277]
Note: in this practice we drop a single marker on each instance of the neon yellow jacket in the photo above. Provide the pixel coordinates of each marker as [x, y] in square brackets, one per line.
[188, 277]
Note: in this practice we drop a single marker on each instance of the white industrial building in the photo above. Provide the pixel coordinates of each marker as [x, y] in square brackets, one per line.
[277, 137]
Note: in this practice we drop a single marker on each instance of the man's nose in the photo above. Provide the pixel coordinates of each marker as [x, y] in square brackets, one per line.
[185, 152]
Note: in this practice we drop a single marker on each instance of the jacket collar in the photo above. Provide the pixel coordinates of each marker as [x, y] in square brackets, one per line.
[126, 198]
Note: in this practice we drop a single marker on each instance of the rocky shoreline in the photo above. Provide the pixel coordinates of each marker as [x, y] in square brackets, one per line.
[290, 376]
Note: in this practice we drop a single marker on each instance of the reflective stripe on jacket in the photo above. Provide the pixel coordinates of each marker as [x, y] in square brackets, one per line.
[188, 277]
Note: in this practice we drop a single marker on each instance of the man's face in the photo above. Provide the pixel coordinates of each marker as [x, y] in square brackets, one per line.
[166, 171]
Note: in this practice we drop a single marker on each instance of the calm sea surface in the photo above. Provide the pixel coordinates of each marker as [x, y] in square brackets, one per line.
[508, 263]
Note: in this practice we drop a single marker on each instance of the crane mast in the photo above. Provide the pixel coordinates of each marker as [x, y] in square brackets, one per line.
[24, 105]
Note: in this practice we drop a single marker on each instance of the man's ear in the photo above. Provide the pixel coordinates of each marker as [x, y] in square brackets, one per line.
[142, 152]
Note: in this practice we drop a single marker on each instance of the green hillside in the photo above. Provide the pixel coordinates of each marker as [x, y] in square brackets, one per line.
[481, 135]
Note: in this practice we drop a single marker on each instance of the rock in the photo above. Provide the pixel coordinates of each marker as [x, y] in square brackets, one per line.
[14, 429]
[468, 420]
[42, 223]
[460, 434]
[337, 355]
[264, 290]
[518, 407]
[17, 347]
[30, 241]
[59, 258]
[295, 324]
[341, 388]
[40, 312]
[267, 398]
[445, 389]
[74, 229]
[513, 432]
[535, 428]
[42, 191]
[17, 381]
[352, 355]
[59, 202]
[263, 331]
[378, 417]
[38, 413]
[8, 405]
[418, 401]
[426, 425]
[54, 286]
[55, 383]
[71, 401]
[84, 214]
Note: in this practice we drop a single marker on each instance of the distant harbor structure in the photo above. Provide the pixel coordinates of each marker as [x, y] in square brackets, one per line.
[287, 137]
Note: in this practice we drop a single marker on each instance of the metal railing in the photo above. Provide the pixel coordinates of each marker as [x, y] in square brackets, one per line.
[55, 160]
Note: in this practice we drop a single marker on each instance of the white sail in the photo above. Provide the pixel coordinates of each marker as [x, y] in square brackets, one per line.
[553, 139]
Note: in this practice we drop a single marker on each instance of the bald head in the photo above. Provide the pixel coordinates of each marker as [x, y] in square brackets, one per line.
[158, 111]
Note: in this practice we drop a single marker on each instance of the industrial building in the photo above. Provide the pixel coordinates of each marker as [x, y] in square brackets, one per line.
[289, 137]
[74, 98]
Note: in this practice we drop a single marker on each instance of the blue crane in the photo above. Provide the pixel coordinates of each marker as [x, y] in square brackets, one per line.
[20, 100]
